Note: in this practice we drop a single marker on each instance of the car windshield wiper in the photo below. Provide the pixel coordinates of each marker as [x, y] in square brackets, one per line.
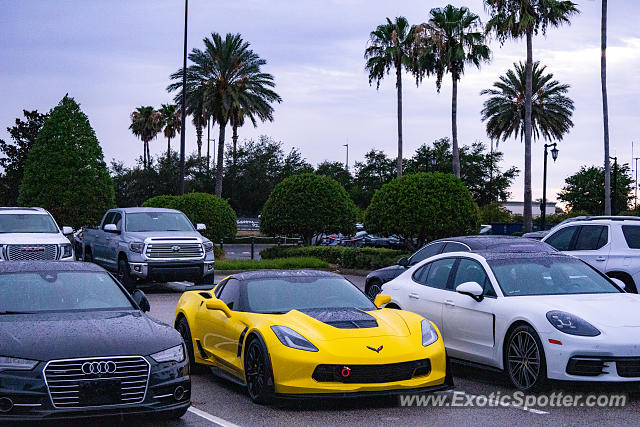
[16, 312]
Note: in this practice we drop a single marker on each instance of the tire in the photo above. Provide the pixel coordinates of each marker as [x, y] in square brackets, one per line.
[183, 328]
[258, 372]
[374, 288]
[525, 363]
[124, 275]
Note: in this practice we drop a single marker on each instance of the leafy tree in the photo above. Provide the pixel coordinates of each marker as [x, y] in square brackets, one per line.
[146, 123]
[370, 175]
[172, 122]
[493, 213]
[584, 190]
[422, 207]
[308, 205]
[23, 134]
[391, 46]
[337, 171]
[456, 38]
[514, 19]
[65, 171]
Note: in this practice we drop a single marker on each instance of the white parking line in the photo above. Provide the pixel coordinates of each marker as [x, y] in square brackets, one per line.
[207, 416]
[493, 402]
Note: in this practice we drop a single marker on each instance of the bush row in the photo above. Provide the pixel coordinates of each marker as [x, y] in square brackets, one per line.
[277, 264]
[358, 258]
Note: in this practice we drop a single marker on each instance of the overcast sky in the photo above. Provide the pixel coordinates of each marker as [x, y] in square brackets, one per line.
[115, 55]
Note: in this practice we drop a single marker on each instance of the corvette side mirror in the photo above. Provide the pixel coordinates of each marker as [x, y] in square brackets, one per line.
[382, 299]
[217, 304]
[472, 289]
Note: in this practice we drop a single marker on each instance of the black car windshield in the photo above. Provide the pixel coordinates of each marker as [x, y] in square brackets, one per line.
[548, 276]
[32, 292]
[158, 221]
[27, 223]
[281, 295]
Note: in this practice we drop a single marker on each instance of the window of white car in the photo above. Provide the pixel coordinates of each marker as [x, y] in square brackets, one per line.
[471, 271]
[591, 238]
[435, 274]
[561, 239]
[632, 236]
[27, 223]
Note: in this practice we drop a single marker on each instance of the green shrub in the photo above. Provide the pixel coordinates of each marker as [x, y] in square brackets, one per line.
[357, 258]
[494, 213]
[212, 211]
[424, 207]
[271, 264]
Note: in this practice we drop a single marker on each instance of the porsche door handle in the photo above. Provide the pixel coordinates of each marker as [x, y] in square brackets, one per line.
[414, 296]
[449, 303]
[601, 258]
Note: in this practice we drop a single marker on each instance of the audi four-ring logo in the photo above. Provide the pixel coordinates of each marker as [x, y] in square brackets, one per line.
[105, 367]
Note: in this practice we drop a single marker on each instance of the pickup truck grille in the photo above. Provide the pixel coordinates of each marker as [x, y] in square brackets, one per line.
[174, 250]
[32, 252]
[97, 381]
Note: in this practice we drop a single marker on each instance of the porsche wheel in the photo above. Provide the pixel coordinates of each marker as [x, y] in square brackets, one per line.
[257, 372]
[374, 289]
[524, 359]
[183, 329]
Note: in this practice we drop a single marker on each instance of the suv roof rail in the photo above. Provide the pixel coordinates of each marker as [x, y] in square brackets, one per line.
[610, 218]
[18, 208]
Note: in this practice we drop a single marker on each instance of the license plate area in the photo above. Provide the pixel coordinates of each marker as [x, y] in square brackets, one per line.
[100, 392]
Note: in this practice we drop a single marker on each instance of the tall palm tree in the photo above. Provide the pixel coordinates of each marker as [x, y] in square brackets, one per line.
[391, 45]
[456, 39]
[172, 122]
[504, 111]
[146, 123]
[227, 73]
[514, 19]
[605, 109]
[236, 119]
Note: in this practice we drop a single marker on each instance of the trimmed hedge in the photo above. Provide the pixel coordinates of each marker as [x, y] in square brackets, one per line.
[357, 258]
[271, 264]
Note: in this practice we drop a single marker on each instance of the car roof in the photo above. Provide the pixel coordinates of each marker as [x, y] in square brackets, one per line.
[142, 210]
[45, 266]
[491, 256]
[274, 274]
[607, 218]
[22, 210]
[479, 243]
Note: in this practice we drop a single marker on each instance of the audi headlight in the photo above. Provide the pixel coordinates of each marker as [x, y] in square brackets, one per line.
[173, 354]
[208, 246]
[13, 364]
[291, 338]
[571, 324]
[137, 247]
[66, 250]
[2, 250]
[429, 333]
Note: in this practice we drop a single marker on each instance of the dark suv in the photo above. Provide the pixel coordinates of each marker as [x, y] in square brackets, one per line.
[376, 278]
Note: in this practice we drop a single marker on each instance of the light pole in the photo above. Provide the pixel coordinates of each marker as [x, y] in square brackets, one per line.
[614, 204]
[183, 106]
[543, 205]
[635, 205]
[347, 164]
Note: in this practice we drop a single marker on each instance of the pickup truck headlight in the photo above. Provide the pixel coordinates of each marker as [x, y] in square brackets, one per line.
[208, 246]
[66, 250]
[137, 247]
[173, 354]
[429, 334]
[15, 364]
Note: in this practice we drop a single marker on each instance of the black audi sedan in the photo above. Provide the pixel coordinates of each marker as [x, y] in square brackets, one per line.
[485, 243]
[75, 344]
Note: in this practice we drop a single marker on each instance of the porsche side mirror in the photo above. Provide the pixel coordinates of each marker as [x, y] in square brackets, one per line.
[201, 227]
[472, 289]
[403, 262]
[218, 304]
[382, 299]
[141, 299]
[619, 282]
[67, 230]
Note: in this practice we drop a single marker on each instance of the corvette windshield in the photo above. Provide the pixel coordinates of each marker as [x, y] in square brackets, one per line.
[285, 294]
[548, 276]
[27, 223]
[158, 221]
[59, 291]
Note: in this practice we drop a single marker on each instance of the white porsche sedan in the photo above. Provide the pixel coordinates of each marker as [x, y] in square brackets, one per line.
[536, 316]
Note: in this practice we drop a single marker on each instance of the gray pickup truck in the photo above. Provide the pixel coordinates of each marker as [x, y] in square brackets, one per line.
[145, 245]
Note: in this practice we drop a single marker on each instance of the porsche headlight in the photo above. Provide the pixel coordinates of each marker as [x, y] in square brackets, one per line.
[571, 324]
[429, 333]
[13, 363]
[291, 338]
[173, 354]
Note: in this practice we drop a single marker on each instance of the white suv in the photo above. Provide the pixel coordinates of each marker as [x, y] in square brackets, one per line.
[31, 234]
[609, 244]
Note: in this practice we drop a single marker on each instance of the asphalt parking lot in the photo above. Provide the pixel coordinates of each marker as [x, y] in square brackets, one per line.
[216, 401]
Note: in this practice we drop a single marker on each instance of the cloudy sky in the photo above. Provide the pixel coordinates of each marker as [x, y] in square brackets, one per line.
[115, 55]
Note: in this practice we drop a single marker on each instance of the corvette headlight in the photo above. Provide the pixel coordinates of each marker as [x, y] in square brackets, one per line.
[291, 338]
[137, 247]
[208, 246]
[173, 354]
[571, 324]
[66, 250]
[13, 363]
[429, 333]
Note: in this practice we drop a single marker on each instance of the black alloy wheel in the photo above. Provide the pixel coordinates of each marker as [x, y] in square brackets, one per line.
[124, 275]
[374, 289]
[525, 360]
[257, 373]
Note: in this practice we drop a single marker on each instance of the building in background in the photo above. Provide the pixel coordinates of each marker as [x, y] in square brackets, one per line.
[517, 208]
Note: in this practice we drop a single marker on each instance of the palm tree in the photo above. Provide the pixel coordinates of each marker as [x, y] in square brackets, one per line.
[391, 45]
[514, 19]
[236, 119]
[146, 123]
[504, 111]
[172, 121]
[227, 73]
[605, 109]
[455, 37]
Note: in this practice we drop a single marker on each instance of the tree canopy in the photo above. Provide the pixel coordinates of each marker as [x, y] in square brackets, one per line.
[584, 190]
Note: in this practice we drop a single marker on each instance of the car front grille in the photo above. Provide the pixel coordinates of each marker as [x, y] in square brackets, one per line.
[93, 382]
[174, 250]
[372, 373]
[32, 252]
[593, 366]
[628, 368]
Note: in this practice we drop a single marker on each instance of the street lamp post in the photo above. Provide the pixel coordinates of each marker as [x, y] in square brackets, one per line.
[635, 204]
[614, 204]
[543, 205]
[347, 164]
[183, 102]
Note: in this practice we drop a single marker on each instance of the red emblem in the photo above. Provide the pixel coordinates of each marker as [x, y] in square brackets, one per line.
[346, 371]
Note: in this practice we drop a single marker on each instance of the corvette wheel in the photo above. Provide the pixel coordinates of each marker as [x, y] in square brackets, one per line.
[374, 289]
[257, 373]
[185, 332]
[525, 361]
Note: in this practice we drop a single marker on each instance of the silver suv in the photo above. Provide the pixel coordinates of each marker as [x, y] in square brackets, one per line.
[609, 244]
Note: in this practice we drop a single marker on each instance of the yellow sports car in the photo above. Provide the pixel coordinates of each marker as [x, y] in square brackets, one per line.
[309, 333]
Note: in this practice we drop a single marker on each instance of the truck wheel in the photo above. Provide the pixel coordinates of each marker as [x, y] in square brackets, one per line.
[88, 257]
[124, 275]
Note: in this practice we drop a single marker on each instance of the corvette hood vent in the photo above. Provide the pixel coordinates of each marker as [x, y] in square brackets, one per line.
[342, 318]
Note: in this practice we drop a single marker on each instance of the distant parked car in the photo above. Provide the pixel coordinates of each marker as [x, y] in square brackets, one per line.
[539, 235]
[375, 279]
[609, 244]
[31, 234]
